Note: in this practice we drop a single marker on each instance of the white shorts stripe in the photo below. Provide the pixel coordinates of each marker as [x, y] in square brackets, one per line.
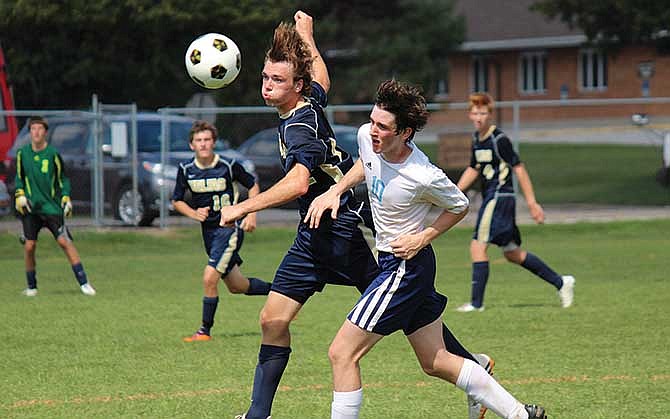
[388, 287]
[400, 273]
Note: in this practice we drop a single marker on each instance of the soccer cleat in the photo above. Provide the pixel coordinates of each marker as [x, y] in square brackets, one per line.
[87, 289]
[535, 411]
[468, 307]
[197, 337]
[244, 416]
[476, 410]
[29, 292]
[567, 291]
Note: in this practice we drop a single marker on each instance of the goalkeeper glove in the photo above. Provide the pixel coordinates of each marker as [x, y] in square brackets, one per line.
[21, 203]
[66, 204]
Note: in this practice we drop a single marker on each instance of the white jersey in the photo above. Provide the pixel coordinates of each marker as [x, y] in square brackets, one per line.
[402, 194]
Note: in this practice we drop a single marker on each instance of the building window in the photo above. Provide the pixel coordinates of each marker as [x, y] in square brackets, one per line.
[592, 70]
[480, 74]
[533, 72]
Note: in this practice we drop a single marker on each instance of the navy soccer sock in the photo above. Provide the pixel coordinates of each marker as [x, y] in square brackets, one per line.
[454, 346]
[539, 268]
[258, 287]
[31, 278]
[272, 362]
[480, 275]
[209, 305]
[79, 273]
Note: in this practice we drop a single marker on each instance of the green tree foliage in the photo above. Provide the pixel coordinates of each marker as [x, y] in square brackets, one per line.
[614, 23]
[60, 52]
[367, 42]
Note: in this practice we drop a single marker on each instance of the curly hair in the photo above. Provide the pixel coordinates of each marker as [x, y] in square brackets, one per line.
[480, 99]
[405, 102]
[199, 126]
[288, 46]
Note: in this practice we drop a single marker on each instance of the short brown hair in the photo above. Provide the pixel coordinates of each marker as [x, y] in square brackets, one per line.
[405, 102]
[38, 120]
[199, 126]
[288, 46]
[480, 99]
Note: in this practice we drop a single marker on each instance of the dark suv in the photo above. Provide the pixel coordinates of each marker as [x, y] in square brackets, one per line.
[74, 140]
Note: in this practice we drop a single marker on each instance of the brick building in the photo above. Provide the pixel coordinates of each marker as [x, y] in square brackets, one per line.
[516, 54]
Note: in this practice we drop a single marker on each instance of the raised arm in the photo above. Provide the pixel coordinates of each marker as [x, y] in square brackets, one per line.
[304, 25]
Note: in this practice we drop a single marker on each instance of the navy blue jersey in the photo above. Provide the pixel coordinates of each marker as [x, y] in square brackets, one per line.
[214, 186]
[494, 157]
[306, 137]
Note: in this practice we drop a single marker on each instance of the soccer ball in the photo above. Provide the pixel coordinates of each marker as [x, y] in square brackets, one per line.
[213, 61]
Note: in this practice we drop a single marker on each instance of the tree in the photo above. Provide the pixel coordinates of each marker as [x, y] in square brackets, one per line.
[60, 52]
[367, 42]
[614, 23]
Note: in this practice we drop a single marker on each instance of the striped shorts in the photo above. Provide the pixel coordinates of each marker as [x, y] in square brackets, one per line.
[402, 296]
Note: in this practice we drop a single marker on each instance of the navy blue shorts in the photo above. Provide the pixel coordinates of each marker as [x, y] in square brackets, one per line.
[33, 223]
[335, 253]
[496, 222]
[222, 245]
[402, 296]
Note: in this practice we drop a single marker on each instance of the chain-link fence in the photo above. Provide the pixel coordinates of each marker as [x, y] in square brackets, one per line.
[123, 163]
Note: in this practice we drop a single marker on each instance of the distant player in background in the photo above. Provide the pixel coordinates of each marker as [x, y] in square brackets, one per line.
[494, 159]
[212, 181]
[42, 199]
[403, 186]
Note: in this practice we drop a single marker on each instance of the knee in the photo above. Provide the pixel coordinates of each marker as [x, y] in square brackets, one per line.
[235, 288]
[513, 257]
[273, 325]
[30, 246]
[339, 355]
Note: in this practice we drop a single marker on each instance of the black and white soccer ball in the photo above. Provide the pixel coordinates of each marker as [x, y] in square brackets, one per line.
[213, 61]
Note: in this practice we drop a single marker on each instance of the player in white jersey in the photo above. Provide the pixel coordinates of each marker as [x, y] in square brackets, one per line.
[402, 186]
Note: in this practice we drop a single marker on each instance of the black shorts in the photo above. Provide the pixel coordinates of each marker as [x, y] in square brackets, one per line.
[33, 223]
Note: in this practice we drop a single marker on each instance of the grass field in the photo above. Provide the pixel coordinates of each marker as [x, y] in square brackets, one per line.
[120, 355]
[603, 174]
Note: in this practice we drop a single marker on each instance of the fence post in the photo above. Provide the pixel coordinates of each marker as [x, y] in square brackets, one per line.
[98, 204]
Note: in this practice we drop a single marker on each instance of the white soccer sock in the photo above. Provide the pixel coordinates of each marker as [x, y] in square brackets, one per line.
[346, 404]
[478, 384]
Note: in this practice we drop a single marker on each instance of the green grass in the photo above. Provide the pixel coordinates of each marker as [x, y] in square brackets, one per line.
[120, 355]
[601, 174]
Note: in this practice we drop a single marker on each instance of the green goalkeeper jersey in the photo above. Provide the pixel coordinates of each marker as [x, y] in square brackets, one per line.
[40, 175]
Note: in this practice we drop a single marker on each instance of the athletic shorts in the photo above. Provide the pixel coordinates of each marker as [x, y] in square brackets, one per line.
[335, 253]
[496, 222]
[222, 245]
[402, 296]
[33, 223]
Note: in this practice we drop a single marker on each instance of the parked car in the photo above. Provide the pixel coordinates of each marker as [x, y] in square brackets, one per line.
[73, 138]
[262, 148]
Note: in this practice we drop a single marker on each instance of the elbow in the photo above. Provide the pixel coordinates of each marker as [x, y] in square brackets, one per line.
[301, 189]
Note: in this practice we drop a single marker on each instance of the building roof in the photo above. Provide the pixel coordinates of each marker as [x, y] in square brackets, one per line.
[509, 24]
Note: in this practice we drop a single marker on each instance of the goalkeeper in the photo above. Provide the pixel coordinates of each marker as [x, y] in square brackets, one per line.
[42, 200]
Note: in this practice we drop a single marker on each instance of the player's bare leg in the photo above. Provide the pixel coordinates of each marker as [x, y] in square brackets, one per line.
[65, 242]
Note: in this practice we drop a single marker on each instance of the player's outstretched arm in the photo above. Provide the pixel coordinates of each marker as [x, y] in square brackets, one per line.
[526, 185]
[249, 222]
[304, 25]
[183, 208]
[290, 187]
[330, 200]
